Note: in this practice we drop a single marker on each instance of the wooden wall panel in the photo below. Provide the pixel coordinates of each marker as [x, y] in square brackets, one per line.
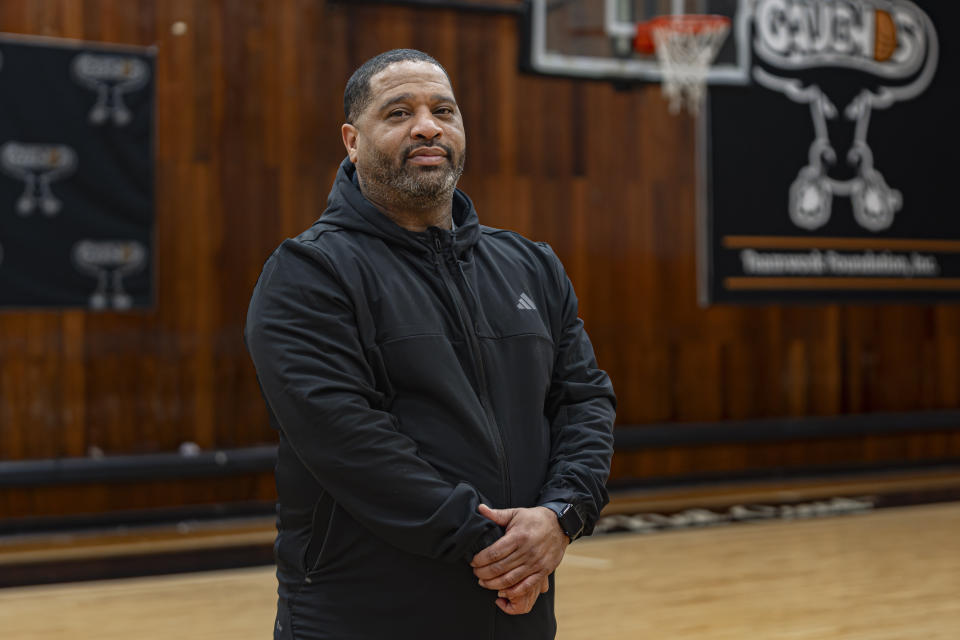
[32, 505]
[249, 104]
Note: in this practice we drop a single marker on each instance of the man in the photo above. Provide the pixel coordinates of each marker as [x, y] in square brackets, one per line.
[444, 429]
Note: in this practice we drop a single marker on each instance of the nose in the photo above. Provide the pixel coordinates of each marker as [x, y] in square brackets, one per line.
[425, 126]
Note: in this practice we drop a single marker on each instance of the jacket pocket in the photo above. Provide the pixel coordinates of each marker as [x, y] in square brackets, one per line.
[385, 389]
[293, 536]
[319, 530]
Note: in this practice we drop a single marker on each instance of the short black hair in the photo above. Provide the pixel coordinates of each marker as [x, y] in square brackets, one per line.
[357, 96]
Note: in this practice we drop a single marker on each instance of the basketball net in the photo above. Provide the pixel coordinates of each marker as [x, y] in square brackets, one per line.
[686, 45]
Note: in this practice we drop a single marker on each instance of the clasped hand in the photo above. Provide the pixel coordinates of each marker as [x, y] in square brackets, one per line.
[518, 565]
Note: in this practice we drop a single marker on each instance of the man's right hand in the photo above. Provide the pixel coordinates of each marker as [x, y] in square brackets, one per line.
[523, 603]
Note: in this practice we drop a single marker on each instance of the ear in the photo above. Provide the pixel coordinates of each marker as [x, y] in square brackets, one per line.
[350, 135]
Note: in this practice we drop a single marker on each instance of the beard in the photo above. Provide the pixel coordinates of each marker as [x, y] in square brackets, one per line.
[398, 183]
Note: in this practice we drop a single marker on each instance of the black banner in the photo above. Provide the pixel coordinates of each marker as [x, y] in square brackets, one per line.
[76, 174]
[829, 177]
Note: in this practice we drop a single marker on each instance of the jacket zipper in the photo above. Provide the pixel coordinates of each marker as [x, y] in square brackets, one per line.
[470, 333]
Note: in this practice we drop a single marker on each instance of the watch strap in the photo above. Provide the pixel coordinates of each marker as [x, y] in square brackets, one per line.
[569, 518]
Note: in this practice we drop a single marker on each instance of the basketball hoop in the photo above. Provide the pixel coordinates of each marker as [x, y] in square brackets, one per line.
[685, 45]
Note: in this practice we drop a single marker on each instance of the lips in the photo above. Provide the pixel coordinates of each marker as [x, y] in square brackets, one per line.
[427, 151]
[427, 155]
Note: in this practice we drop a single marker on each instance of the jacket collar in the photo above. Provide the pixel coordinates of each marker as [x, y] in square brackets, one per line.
[349, 209]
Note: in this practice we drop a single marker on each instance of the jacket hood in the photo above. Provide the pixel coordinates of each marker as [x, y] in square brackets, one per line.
[347, 208]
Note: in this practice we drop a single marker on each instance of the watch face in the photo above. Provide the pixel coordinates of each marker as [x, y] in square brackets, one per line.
[570, 521]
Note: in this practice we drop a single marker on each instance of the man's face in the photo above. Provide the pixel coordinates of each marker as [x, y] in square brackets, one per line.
[408, 144]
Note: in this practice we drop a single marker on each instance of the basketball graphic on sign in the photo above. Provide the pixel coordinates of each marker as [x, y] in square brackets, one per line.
[885, 39]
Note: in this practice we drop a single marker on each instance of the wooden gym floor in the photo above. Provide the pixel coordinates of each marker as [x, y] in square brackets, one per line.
[883, 575]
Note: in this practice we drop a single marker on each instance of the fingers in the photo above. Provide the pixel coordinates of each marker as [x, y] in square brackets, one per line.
[530, 550]
[516, 559]
[496, 552]
[531, 584]
[511, 608]
[507, 580]
[517, 607]
[501, 516]
[522, 602]
[519, 535]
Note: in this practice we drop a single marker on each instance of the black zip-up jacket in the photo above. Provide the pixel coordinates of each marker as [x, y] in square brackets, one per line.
[412, 376]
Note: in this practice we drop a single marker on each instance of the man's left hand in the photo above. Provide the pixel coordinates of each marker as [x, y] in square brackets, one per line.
[528, 552]
[525, 602]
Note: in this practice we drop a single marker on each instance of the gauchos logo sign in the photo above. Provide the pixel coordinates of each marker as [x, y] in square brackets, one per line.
[111, 77]
[889, 50]
[109, 261]
[886, 39]
[38, 165]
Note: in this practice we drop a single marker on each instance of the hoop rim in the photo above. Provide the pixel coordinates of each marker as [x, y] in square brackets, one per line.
[684, 22]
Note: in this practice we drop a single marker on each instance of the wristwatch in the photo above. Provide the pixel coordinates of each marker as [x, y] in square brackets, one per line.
[569, 518]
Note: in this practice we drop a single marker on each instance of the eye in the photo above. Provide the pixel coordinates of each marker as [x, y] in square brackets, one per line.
[397, 113]
[444, 111]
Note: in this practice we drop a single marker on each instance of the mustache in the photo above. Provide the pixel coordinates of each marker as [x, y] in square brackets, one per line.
[431, 145]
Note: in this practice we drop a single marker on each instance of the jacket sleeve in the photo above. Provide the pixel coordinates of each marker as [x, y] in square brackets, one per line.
[580, 406]
[302, 336]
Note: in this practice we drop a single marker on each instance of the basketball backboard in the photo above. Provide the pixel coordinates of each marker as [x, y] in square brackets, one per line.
[595, 38]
